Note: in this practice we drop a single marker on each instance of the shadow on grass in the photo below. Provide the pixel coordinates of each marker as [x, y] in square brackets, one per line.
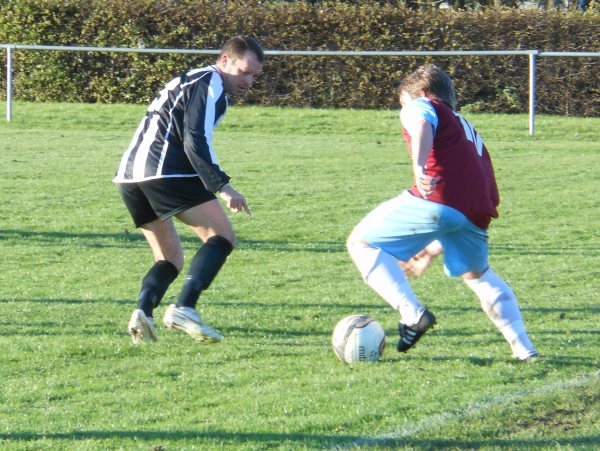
[134, 239]
[87, 238]
[263, 440]
[585, 249]
[448, 317]
[447, 314]
[344, 307]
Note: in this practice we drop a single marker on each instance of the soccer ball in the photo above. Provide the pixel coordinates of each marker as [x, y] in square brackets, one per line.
[358, 338]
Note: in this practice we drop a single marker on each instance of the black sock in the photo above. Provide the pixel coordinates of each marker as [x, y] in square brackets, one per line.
[155, 284]
[203, 269]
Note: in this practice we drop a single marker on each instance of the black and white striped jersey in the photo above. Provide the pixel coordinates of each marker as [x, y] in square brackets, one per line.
[175, 138]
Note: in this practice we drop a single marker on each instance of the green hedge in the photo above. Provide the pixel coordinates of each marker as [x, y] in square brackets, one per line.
[565, 86]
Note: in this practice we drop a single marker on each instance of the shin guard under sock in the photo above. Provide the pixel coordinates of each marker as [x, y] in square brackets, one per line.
[155, 284]
[381, 272]
[500, 304]
[203, 269]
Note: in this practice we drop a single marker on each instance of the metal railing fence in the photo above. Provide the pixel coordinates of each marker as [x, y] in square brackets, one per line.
[531, 54]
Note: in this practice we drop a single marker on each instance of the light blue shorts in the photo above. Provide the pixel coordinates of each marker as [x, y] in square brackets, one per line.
[406, 224]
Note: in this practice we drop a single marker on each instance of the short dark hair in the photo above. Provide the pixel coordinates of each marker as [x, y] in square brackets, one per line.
[238, 45]
[432, 79]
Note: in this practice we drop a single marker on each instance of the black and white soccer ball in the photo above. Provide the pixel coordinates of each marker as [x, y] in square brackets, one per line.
[358, 338]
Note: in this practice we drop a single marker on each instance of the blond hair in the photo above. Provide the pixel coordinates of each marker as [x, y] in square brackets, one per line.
[434, 81]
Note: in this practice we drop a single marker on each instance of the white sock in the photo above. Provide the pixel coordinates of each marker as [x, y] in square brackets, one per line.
[500, 304]
[382, 272]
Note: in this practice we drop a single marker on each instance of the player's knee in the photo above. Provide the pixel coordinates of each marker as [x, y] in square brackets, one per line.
[232, 238]
[176, 260]
[225, 238]
[354, 241]
[472, 275]
[174, 256]
[225, 243]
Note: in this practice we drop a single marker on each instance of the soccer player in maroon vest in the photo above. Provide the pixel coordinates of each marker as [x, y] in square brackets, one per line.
[450, 206]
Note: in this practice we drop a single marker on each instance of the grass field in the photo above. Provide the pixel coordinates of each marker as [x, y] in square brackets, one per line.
[72, 263]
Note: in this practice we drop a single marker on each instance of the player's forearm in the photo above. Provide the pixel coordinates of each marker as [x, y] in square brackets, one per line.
[420, 153]
[421, 139]
[421, 144]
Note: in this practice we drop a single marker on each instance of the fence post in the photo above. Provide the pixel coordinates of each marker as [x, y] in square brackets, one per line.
[9, 82]
[532, 56]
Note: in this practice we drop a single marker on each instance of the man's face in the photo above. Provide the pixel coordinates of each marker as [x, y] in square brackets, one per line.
[238, 73]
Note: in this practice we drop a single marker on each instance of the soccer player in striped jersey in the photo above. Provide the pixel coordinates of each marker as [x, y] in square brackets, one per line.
[449, 207]
[170, 169]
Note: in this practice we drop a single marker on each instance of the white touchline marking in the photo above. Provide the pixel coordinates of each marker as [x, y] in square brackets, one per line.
[472, 410]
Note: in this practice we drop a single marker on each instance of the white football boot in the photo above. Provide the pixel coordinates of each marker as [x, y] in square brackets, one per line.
[188, 320]
[142, 328]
